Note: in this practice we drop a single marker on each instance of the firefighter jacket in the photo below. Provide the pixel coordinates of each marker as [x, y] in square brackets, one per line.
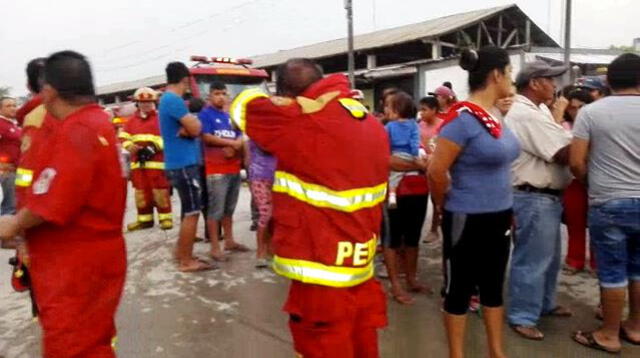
[331, 178]
[143, 130]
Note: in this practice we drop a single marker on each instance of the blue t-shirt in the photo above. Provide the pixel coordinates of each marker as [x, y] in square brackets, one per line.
[404, 136]
[481, 175]
[218, 123]
[179, 152]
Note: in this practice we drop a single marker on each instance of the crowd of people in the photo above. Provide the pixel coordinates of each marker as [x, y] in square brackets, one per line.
[329, 183]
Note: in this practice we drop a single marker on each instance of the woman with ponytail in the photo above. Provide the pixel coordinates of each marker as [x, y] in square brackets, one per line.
[470, 181]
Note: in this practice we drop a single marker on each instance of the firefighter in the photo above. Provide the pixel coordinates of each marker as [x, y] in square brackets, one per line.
[141, 137]
[72, 216]
[330, 182]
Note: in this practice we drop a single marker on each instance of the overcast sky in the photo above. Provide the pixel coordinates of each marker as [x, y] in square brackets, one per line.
[128, 40]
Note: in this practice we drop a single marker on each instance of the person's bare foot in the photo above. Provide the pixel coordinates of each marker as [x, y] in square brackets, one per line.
[417, 287]
[401, 296]
[528, 332]
[597, 341]
[234, 246]
[629, 334]
[219, 256]
[193, 265]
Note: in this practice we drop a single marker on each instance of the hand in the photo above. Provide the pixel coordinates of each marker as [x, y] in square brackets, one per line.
[229, 152]
[237, 144]
[422, 162]
[8, 227]
[183, 133]
[133, 149]
[437, 214]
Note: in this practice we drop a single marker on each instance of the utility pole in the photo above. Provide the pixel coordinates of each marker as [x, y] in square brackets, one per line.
[348, 5]
[567, 43]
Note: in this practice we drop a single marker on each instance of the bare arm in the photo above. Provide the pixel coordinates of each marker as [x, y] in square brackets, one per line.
[579, 158]
[402, 165]
[191, 125]
[215, 141]
[562, 156]
[445, 155]
[12, 225]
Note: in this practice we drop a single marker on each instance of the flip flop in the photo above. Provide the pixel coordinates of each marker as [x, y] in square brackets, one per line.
[625, 337]
[198, 266]
[588, 340]
[237, 248]
[535, 335]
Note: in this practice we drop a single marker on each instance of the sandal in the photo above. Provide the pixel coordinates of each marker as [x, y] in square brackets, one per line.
[559, 311]
[625, 337]
[420, 288]
[528, 332]
[588, 340]
[196, 266]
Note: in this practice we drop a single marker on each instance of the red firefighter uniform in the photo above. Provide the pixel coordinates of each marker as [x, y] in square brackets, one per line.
[78, 258]
[333, 164]
[147, 174]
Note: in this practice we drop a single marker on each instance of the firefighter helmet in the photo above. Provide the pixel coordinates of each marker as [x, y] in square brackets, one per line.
[145, 94]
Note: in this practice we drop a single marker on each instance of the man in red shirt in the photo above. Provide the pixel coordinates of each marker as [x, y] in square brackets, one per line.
[9, 154]
[330, 182]
[141, 137]
[72, 217]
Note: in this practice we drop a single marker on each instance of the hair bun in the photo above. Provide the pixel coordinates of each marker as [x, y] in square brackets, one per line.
[469, 60]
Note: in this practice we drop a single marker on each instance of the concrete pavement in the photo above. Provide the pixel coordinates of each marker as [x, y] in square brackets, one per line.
[236, 311]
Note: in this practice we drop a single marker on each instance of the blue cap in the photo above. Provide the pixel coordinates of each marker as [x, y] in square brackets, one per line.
[592, 83]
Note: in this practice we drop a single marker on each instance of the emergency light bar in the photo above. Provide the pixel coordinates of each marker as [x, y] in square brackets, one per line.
[229, 60]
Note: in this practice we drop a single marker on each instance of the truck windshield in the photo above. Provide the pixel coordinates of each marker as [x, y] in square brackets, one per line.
[235, 84]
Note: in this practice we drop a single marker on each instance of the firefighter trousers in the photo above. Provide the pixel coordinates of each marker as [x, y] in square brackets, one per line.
[151, 190]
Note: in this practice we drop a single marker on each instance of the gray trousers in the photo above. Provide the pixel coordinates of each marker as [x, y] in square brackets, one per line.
[8, 184]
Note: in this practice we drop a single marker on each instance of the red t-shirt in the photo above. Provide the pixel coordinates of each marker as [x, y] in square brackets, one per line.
[79, 186]
[9, 142]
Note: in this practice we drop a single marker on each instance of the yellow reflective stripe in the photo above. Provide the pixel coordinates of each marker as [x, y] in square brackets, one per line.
[155, 139]
[357, 109]
[148, 165]
[319, 274]
[145, 218]
[124, 135]
[24, 177]
[127, 144]
[238, 109]
[322, 197]
[168, 216]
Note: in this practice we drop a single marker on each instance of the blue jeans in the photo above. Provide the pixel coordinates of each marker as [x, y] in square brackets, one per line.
[535, 262]
[615, 234]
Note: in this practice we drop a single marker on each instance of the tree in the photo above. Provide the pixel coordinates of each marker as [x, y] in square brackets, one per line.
[622, 48]
[4, 91]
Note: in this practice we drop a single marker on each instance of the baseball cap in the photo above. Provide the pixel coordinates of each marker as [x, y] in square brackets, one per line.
[592, 83]
[443, 91]
[538, 69]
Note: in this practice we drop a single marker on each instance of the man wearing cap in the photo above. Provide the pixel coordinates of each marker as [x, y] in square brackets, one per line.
[595, 85]
[540, 175]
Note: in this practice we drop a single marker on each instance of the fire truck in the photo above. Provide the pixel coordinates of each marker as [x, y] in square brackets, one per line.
[236, 74]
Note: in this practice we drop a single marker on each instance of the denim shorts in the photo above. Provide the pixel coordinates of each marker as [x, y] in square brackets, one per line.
[223, 190]
[188, 182]
[615, 234]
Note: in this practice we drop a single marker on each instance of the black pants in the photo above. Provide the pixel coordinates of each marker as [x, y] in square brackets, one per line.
[405, 221]
[475, 255]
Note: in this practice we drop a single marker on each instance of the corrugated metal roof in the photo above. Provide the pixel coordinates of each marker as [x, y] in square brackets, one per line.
[393, 36]
[580, 58]
[128, 85]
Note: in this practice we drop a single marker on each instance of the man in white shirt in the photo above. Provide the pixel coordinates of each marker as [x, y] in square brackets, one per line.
[540, 175]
